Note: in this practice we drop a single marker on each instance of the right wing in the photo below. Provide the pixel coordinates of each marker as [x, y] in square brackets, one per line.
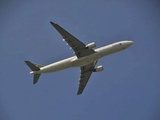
[78, 47]
[86, 72]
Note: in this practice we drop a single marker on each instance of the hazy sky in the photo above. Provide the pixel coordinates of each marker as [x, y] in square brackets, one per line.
[127, 89]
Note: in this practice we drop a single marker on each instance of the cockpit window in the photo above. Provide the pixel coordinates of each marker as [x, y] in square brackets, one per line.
[117, 44]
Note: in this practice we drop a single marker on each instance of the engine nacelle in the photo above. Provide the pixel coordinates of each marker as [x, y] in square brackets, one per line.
[98, 69]
[91, 45]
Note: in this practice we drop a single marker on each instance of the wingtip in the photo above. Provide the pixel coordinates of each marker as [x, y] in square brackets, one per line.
[26, 61]
[79, 93]
[34, 82]
[52, 22]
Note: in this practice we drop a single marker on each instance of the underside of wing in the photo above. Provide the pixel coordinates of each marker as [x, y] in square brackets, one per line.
[86, 72]
[79, 48]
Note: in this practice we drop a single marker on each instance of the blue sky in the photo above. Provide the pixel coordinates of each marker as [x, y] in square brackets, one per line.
[127, 89]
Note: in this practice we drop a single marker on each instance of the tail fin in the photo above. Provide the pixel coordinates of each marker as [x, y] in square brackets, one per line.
[36, 77]
[34, 67]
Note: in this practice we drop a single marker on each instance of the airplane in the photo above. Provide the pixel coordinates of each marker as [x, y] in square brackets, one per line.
[85, 57]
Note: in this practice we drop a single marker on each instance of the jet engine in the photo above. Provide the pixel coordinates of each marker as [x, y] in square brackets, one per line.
[98, 69]
[91, 45]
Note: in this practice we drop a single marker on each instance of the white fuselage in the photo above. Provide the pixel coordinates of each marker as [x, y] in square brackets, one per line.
[78, 62]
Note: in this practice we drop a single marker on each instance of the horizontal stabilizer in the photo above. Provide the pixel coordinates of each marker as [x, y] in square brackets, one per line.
[32, 66]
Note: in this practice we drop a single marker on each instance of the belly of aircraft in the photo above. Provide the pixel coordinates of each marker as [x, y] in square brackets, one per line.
[78, 62]
[57, 66]
[70, 62]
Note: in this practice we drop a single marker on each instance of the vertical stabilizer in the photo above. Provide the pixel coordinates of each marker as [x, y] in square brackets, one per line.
[36, 77]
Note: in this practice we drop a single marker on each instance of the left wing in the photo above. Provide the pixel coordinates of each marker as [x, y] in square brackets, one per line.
[78, 47]
[86, 72]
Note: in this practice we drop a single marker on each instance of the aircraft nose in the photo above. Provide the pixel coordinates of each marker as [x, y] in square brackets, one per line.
[128, 43]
